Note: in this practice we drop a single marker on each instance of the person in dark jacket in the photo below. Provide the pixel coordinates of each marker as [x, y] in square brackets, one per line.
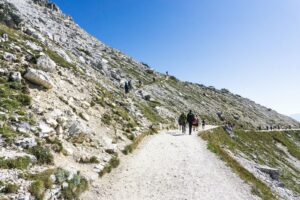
[203, 124]
[182, 122]
[126, 87]
[190, 118]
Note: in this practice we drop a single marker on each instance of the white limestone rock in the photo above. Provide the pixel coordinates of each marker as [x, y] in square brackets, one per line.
[39, 78]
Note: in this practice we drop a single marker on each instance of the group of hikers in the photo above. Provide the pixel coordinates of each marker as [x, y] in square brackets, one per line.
[192, 120]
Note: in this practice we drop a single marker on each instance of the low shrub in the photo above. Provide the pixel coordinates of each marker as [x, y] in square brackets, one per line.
[17, 163]
[37, 189]
[10, 188]
[113, 163]
[42, 154]
[76, 186]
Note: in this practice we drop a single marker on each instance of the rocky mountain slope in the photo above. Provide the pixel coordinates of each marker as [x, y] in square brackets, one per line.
[63, 108]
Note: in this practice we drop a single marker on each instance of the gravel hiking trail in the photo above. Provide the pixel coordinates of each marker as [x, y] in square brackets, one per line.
[171, 166]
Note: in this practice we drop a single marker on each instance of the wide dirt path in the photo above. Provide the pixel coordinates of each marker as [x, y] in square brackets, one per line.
[171, 166]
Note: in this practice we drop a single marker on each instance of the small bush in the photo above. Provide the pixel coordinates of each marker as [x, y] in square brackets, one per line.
[76, 186]
[42, 176]
[106, 119]
[130, 137]
[37, 189]
[10, 188]
[56, 146]
[24, 99]
[7, 133]
[113, 163]
[42, 154]
[61, 175]
[92, 159]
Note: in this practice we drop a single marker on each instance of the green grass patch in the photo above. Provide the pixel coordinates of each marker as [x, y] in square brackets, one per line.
[149, 113]
[60, 60]
[16, 163]
[113, 163]
[261, 148]
[9, 188]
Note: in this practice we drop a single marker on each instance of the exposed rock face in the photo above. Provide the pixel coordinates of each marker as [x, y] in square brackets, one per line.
[9, 56]
[39, 78]
[86, 111]
[273, 173]
[46, 64]
[8, 14]
[15, 76]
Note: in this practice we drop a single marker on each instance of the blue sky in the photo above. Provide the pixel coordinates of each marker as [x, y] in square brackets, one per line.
[251, 47]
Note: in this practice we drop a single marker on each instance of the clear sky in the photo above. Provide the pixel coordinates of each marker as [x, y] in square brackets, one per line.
[251, 47]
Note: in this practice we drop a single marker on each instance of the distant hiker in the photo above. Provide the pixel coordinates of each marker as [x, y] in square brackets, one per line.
[154, 79]
[129, 85]
[126, 87]
[203, 124]
[290, 127]
[271, 127]
[182, 122]
[140, 83]
[167, 73]
[267, 128]
[190, 117]
[195, 123]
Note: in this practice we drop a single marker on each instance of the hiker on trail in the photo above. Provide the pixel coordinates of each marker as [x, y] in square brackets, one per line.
[126, 87]
[129, 85]
[267, 128]
[182, 122]
[203, 124]
[190, 118]
[167, 73]
[195, 123]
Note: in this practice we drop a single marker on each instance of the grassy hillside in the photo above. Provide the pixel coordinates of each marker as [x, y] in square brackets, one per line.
[278, 150]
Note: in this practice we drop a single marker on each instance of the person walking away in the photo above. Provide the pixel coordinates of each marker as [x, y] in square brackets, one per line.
[190, 118]
[195, 123]
[129, 85]
[182, 122]
[126, 87]
[203, 124]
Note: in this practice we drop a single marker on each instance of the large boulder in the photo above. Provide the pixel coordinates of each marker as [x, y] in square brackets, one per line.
[76, 128]
[38, 77]
[46, 64]
[9, 56]
[15, 76]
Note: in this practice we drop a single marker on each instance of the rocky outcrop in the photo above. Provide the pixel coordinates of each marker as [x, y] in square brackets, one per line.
[39, 78]
[272, 172]
[9, 15]
[45, 63]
